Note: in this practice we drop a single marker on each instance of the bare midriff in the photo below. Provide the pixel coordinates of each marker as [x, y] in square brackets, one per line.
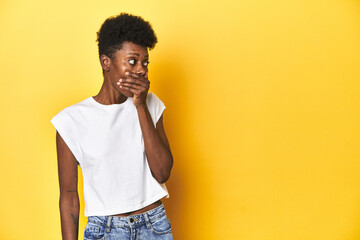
[147, 208]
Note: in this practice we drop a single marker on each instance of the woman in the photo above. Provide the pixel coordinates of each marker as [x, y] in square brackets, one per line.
[118, 139]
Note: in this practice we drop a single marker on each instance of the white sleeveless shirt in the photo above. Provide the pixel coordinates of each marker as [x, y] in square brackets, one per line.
[107, 142]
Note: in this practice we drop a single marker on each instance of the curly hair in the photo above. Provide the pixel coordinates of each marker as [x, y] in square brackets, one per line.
[124, 28]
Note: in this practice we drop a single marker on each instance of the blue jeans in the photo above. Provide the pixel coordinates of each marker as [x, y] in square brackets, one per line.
[150, 225]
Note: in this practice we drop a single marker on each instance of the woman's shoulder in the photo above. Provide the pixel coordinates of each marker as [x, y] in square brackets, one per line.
[73, 109]
[155, 105]
[153, 97]
[150, 95]
[153, 100]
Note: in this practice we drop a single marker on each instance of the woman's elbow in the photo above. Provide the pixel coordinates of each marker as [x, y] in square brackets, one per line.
[163, 179]
[165, 174]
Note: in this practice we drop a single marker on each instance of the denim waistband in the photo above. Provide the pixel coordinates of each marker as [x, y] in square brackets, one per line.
[136, 219]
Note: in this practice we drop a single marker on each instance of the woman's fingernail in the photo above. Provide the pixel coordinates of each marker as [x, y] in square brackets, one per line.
[126, 73]
[120, 80]
[118, 83]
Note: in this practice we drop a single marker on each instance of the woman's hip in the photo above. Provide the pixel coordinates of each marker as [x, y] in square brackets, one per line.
[152, 224]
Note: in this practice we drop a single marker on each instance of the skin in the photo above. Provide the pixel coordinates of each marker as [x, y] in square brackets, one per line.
[125, 75]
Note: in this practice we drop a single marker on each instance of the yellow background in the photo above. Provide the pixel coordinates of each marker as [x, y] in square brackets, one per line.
[262, 112]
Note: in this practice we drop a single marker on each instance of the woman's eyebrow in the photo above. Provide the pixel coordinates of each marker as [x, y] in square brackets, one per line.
[137, 54]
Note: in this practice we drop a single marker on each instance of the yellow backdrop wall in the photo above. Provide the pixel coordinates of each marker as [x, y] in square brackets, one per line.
[263, 112]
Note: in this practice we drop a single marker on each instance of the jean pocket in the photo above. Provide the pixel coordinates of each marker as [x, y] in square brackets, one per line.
[94, 231]
[161, 225]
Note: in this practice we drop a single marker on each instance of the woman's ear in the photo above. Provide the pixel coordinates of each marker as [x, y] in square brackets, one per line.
[105, 62]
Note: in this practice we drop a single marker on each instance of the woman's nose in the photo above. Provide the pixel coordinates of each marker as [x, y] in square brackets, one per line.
[141, 70]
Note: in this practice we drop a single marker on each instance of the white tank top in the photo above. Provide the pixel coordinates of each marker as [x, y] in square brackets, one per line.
[108, 143]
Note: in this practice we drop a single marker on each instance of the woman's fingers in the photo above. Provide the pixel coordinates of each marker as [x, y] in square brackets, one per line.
[137, 87]
[138, 76]
[132, 84]
[134, 81]
[134, 87]
[132, 90]
[142, 85]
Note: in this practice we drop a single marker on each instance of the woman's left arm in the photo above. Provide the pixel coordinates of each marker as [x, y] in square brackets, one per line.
[157, 147]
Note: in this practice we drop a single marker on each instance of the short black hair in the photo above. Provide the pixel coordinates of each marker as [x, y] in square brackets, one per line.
[124, 28]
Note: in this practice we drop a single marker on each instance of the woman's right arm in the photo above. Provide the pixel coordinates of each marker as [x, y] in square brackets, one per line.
[69, 199]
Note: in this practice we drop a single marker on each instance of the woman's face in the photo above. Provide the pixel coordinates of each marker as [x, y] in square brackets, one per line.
[130, 58]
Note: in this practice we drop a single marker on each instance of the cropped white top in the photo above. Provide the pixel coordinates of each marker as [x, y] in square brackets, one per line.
[107, 142]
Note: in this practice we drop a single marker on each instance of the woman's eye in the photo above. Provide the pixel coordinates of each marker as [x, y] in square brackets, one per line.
[132, 61]
[146, 63]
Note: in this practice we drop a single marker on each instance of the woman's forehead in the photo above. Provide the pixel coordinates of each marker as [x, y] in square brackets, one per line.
[130, 48]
